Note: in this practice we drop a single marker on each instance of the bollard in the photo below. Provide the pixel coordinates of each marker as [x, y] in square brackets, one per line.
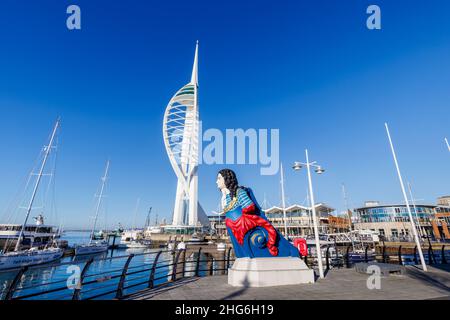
[9, 295]
[77, 291]
[400, 261]
[119, 292]
[151, 283]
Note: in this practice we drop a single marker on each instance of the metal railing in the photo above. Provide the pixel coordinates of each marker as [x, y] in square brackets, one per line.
[119, 282]
[401, 255]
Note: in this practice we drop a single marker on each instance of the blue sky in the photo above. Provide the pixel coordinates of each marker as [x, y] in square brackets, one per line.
[311, 69]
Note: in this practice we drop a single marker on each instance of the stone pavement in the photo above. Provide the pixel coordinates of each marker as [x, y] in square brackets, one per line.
[346, 284]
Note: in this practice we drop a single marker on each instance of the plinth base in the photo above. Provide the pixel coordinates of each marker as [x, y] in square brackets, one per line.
[266, 272]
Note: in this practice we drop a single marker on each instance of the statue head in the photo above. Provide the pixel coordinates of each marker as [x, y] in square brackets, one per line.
[227, 181]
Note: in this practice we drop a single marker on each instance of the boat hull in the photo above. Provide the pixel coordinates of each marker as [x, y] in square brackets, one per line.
[12, 261]
[82, 250]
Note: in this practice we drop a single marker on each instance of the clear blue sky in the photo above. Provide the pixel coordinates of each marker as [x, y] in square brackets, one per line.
[310, 68]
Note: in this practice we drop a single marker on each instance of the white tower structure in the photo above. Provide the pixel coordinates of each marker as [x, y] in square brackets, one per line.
[181, 139]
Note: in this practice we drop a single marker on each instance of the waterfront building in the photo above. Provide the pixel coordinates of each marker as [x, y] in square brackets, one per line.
[298, 220]
[393, 224]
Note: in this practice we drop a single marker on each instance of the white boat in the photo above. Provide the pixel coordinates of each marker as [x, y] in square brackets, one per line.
[133, 238]
[153, 230]
[93, 246]
[196, 239]
[221, 246]
[33, 256]
[137, 244]
[38, 234]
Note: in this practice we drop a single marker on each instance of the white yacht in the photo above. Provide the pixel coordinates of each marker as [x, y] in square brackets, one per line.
[92, 247]
[134, 238]
[33, 256]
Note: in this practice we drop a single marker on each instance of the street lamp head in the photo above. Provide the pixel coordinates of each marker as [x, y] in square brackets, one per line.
[319, 170]
[297, 166]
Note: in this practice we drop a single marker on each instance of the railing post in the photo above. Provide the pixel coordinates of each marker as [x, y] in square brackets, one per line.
[152, 272]
[119, 292]
[384, 253]
[327, 257]
[400, 261]
[347, 257]
[197, 266]
[228, 258]
[175, 263]
[222, 262]
[211, 266]
[431, 259]
[443, 258]
[184, 263]
[366, 257]
[415, 255]
[10, 293]
[77, 291]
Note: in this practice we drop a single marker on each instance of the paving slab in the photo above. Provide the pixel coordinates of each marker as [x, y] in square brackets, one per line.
[338, 284]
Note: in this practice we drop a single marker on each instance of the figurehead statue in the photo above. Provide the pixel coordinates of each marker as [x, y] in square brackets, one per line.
[251, 233]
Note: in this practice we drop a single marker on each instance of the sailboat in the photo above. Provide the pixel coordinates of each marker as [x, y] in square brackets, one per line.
[95, 246]
[33, 256]
[135, 238]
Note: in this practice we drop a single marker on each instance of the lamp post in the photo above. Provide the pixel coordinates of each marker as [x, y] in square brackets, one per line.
[413, 225]
[297, 166]
[283, 203]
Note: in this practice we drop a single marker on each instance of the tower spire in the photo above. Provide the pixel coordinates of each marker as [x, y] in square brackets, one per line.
[194, 77]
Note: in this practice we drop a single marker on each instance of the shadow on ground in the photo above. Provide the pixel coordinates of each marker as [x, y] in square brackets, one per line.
[436, 279]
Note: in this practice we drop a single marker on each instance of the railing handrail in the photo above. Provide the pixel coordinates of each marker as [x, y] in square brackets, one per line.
[155, 268]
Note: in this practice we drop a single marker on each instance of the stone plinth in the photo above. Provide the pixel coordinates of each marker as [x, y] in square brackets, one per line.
[266, 272]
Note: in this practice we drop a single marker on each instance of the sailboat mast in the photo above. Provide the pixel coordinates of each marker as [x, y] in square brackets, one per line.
[347, 208]
[148, 222]
[99, 200]
[36, 185]
[138, 201]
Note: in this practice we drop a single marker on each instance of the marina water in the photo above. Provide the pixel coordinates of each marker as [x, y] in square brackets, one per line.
[47, 277]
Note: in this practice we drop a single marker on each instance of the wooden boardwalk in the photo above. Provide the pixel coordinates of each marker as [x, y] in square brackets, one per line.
[338, 284]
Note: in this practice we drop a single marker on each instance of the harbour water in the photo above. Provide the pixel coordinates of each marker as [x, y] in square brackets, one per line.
[47, 277]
